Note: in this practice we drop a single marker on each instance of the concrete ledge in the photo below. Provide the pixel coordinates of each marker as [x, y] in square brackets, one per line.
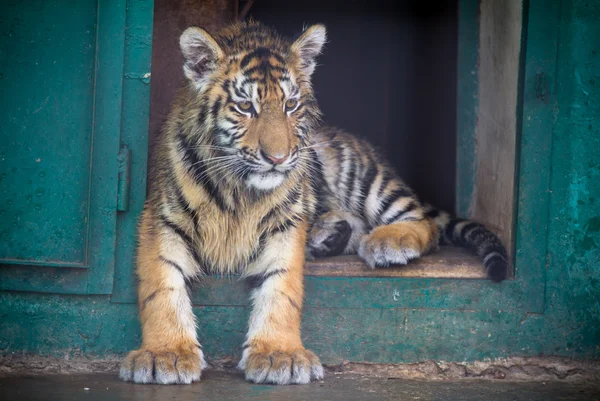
[510, 369]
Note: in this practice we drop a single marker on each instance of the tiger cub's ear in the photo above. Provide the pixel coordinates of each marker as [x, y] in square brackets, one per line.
[201, 53]
[308, 46]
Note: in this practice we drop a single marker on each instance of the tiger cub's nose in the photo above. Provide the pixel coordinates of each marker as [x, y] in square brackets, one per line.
[276, 158]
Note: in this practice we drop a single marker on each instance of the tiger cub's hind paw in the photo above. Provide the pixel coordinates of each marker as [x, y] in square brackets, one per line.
[397, 244]
[382, 252]
[329, 238]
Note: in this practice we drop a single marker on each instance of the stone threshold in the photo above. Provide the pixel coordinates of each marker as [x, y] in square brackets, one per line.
[530, 369]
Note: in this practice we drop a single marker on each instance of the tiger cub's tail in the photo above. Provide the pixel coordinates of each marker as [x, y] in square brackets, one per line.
[474, 236]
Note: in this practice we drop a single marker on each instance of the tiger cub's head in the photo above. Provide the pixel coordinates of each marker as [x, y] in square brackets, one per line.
[254, 99]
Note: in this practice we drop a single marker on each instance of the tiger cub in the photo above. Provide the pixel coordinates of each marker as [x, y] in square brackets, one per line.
[243, 180]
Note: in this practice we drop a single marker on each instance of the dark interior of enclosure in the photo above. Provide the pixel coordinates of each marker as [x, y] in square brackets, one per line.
[388, 73]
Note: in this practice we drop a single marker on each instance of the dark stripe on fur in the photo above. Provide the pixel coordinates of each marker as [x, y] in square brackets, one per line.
[264, 68]
[341, 154]
[256, 281]
[350, 183]
[232, 121]
[203, 114]
[317, 182]
[283, 208]
[391, 198]
[432, 213]
[258, 248]
[256, 53]
[467, 229]
[149, 298]
[286, 225]
[292, 302]
[449, 231]
[498, 248]
[174, 265]
[238, 92]
[186, 239]
[366, 185]
[196, 167]
[225, 86]
[154, 294]
[183, 203]
[385, 179]
[216, 108]
[260, 53]
[398, 216]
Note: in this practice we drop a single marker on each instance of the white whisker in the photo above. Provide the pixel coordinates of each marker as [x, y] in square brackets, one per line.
[317, 144]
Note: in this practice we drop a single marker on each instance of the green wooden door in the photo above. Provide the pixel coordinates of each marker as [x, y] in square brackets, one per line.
[62, 79]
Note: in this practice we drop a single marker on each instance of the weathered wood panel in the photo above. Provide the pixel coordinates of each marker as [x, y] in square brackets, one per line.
[493, 196]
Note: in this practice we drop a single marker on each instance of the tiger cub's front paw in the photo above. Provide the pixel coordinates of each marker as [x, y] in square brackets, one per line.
[277, 367]
[163, 367]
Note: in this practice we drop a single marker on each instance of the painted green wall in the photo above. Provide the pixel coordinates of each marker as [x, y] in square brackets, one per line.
[573, 274]
[554, 312]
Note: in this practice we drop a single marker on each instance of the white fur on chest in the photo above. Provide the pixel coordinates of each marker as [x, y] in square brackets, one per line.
[227, 242]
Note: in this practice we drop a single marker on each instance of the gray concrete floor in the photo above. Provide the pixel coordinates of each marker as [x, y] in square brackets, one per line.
[226, 386]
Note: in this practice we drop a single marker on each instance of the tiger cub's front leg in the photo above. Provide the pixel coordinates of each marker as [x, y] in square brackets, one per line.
[273, 351]
[170, 352]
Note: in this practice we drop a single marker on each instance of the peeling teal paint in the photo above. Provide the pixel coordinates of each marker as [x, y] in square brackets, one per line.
[145, 78]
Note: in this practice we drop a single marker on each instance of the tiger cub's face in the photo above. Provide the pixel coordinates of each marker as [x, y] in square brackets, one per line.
[256, 105]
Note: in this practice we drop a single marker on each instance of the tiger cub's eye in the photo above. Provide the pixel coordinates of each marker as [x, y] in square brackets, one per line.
[291, 104]
[245, 105]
